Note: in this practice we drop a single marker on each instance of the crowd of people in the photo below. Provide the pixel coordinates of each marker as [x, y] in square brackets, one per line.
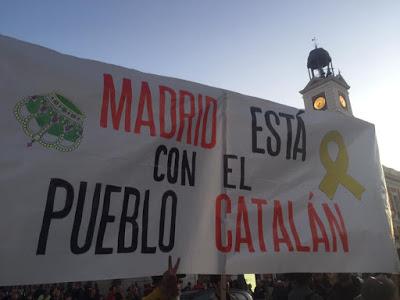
[300, 286]
[343, 286]
[74, 291]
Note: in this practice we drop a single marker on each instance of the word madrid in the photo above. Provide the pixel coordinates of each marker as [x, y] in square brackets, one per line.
[193, 123]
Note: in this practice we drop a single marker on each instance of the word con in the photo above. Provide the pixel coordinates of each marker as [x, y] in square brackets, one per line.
[169, 164]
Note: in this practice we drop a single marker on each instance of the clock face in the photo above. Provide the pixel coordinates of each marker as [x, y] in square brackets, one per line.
[342, 101]
[320, 103]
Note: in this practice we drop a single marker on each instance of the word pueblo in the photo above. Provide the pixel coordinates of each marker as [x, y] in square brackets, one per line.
[128, 222]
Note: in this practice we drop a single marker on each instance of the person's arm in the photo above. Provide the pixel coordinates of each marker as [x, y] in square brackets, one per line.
[154, 295]
[168, 288]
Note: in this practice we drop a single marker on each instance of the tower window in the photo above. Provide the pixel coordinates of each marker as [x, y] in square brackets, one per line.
[319, 102]
[342, 101]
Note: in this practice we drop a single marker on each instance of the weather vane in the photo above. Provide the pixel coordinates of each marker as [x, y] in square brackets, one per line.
[314, 39]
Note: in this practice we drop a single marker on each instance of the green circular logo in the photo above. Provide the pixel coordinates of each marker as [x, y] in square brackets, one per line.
[51, 120]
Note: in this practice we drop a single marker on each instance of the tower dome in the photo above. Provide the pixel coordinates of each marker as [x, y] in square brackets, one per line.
[320, 60]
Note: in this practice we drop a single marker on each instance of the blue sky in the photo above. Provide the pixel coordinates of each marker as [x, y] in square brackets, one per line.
[257, 48]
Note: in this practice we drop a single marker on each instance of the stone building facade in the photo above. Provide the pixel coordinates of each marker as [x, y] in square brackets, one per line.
[392, 178]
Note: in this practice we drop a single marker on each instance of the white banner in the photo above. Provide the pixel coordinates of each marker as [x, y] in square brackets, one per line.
[105, 171]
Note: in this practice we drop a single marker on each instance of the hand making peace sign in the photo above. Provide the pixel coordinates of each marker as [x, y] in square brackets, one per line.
[169, 282]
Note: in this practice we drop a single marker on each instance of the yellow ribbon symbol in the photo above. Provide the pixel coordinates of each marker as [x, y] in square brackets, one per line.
[336, 171]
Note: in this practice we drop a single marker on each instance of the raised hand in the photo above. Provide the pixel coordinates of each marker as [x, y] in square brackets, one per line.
[169, 282]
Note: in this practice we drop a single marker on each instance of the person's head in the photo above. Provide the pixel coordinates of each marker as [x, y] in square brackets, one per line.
[156, 280]
[215, 280]
[113, 289]
[331, 278]
[378, 288]
[301, 279]
[318, 277]
[67, 296]
[92, 292]
[56, 292]
[344, 278]
[14, 294]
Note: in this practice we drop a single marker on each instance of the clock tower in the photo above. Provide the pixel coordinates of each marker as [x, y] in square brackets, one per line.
[325, 91]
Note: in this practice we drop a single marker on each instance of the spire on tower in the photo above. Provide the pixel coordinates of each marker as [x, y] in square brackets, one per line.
[314, 39]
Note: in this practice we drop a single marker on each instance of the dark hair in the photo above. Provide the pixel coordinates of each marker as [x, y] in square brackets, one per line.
[111, 287]
[156, 279]
[300, 278]
[215, 278]
[343, 277]
[379, 287]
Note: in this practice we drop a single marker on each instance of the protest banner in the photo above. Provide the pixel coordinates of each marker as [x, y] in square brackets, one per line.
[105, 171]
